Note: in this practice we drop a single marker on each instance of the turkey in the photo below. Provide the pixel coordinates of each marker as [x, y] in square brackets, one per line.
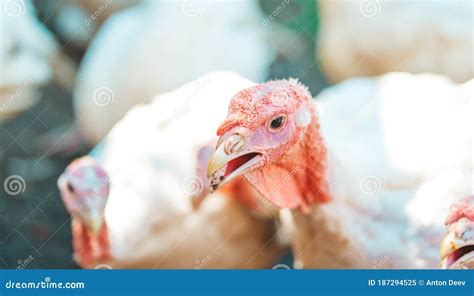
[29, 58]
[157, 46]
[131, 199]
[457, 248]
[77, 21]
[365, 176]
[371, 37]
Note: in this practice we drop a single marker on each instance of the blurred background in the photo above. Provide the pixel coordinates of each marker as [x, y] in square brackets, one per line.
[70, 69]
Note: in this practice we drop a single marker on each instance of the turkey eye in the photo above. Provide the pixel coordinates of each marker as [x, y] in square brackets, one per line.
[277, 122]
[70, 187]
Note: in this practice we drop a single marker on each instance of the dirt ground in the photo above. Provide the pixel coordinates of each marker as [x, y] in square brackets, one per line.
[34, 226]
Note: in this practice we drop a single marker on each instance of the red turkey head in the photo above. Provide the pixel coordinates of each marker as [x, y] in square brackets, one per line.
[271, 136]
[457, 248]
[84, 188]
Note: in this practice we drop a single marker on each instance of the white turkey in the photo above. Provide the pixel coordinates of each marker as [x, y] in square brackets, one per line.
[30, 57]
[374, 37]
[157, 46]
[132, 199]
[366, 174]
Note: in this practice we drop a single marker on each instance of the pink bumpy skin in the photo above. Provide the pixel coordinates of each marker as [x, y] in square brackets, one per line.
[84, 188]
[457, 248]
[461, 209]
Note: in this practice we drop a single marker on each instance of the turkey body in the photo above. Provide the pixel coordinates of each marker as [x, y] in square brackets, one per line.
[155, 47]
[369, 38]
[29, 58]
[150, 158]
[399, 154]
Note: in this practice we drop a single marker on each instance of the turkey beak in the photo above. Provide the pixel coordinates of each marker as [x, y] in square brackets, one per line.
[93, 221]
[218, 160]
[230, 159]
[457, 248]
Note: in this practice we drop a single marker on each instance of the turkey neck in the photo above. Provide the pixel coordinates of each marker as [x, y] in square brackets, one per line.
[319, 239]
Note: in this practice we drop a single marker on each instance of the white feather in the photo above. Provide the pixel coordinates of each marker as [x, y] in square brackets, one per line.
[373, 37]
[400, 153]
[149, 156]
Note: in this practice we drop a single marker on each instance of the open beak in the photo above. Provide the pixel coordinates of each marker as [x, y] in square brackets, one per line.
[230, 159]
[457, 248]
